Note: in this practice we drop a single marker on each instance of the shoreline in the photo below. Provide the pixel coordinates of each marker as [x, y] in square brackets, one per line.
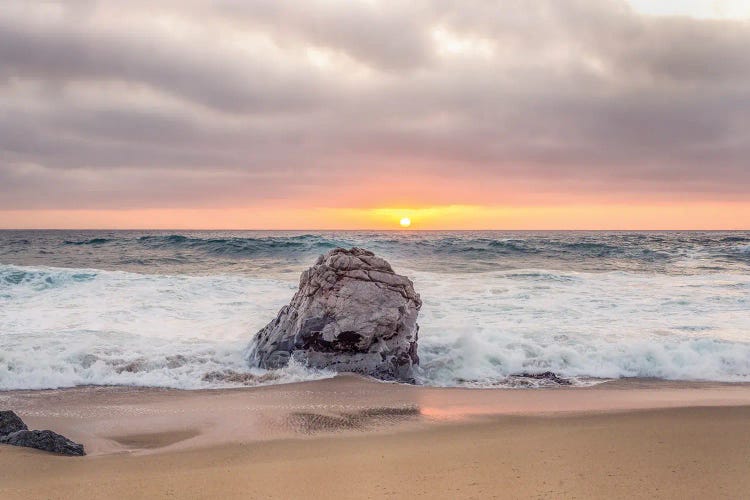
[349, 437]
[138, 420]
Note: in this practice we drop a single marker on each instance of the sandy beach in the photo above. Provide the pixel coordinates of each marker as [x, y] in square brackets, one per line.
[352, 438]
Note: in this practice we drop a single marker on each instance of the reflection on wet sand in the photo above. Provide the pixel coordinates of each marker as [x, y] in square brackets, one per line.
[154, 440]
[368, 419]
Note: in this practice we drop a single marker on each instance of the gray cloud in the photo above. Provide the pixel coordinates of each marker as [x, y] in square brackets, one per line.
[110, 105]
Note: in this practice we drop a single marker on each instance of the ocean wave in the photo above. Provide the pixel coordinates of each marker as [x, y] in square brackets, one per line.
[92, 241]
[481, 331]
[475, 362]
[238, 246]
[481, 251]
[41, 279]
[68, 327]
[188, 366]
[65, 327]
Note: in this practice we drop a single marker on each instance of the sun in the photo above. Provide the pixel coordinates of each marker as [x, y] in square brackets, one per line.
[405, 222]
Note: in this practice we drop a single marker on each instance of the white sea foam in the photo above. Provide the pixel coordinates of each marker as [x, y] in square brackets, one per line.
[61, 327]
[480, 329]
[66, 327]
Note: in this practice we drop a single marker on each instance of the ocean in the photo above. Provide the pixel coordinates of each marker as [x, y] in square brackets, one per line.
[179, 308]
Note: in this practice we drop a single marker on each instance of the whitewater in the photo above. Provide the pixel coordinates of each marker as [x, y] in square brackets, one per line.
[178, 309]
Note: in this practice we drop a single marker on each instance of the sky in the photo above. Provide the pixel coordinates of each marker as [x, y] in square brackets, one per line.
[352, 114]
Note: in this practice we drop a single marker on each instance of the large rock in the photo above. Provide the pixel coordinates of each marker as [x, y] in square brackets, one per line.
[44, 440]
[10, 422]
[352, 313]
[14, 432]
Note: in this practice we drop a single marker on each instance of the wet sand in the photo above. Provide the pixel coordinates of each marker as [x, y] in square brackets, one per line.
[352, 438]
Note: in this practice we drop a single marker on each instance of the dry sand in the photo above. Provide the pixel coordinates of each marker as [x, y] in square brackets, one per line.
[351, 438]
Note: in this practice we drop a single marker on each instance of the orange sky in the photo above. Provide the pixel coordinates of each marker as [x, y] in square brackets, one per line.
[619, 216]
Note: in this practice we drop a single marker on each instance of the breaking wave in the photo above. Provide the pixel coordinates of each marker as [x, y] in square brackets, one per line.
[67, 327]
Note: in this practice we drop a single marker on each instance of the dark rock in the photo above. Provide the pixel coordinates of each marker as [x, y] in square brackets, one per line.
[352, 313]
[44, 440]
[10, 422]
[550, 376]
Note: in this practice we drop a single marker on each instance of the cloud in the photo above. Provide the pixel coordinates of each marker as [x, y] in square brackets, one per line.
[364, 103]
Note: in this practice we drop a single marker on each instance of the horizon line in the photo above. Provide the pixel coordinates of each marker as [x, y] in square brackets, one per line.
[395, 230]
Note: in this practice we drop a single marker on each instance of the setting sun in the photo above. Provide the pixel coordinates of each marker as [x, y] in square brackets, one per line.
[405, 222]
